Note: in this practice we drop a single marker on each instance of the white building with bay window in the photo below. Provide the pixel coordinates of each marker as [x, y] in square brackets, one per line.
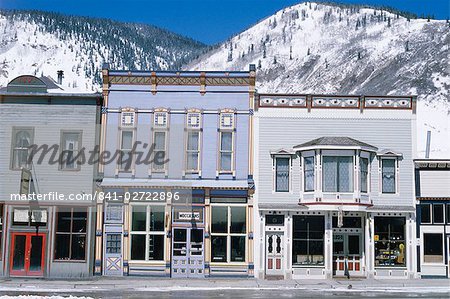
[335, 189]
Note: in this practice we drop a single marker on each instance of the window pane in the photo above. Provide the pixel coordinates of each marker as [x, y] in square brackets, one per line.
[225, 161]
[345, 174]
[219, 220]
[329, 174]
[308, 236]
[127, 139]
[192, 161]
[23, 139]
[160, 141]
[448, 213]
[138, 247]
[425, 211]
[138, 218]
[390, 249]
[79, 222]
[364, 165]
[63, 221]
[78, 246]
[238, 220]
[219, 248]
[309, 173]
[432, 248]
[282, 174]
[237, 248]
[438, 213]
[156, 248]
[192, 143]
[388, 175]
[226, 141]
[157, 218]
[62, 246]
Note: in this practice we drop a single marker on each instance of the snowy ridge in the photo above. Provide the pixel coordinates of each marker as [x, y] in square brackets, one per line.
[333, 49]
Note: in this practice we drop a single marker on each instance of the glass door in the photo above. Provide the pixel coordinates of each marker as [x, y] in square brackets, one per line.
[27, 255]
[347, 253]
[188, 252]
[179, 252]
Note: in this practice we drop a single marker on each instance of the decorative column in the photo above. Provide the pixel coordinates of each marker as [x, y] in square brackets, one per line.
[99, 235]
[328, 244]
[207, 220]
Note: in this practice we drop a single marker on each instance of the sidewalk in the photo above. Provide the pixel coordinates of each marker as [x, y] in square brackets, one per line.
[124, 285]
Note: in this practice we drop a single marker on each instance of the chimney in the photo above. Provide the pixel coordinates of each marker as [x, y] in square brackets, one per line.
[60, 76]
[427, 150]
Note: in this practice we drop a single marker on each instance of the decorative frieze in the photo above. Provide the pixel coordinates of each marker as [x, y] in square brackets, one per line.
[335, 102]
[296, 102]
[388, 102]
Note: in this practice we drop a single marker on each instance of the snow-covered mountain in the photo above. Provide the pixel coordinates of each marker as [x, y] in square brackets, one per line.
[328, 48]
[40, 43]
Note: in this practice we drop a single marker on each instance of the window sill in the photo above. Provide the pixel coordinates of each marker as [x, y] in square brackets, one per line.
[70, 261]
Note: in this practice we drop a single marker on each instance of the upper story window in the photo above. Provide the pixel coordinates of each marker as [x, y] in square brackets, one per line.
[388, 175]
[193, 129]
[70, 147]
[126, 145]
[226, 141]
[337, 173]
[425, 213]
[160, 139]
[282, 170]
[22, 139]
[364, 174]
[308, 173]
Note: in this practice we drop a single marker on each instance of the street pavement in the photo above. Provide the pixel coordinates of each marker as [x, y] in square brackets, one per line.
[146, 287]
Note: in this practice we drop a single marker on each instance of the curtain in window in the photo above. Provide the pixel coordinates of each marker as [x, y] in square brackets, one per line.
[330, 174]
[282, 174]
[309, 173]
[388, 173]
[345, 174]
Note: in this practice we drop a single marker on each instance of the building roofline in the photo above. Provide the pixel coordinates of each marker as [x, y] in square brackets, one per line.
[50, 94]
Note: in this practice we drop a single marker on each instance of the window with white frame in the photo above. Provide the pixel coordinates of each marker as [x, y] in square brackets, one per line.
[147, 232]
[282, 170]
[193, 125]
[226, 142]
[425, 213]
[228, 233]
[22, 139]
[126, 146]
[388, 175]
[70, 147]
[308, 173]
[438, 213]
[433, 251]
[160, 132]
[364, 174]
[337, 173]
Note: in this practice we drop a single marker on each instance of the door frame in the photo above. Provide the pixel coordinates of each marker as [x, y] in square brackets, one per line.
[26, 271]
[337, 261]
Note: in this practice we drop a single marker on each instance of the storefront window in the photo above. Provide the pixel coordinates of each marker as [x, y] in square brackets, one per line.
[308, 240]
[228, 233]
[425, 212]
[1, 230]
[71, 231]
[389, 237]
[432, 248]
[147, 232]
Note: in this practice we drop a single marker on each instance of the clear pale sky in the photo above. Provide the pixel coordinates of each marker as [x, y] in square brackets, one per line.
[208, 21]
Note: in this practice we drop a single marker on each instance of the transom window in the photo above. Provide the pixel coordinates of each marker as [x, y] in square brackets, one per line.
[22, 139]
[160, 119]
[71, 231]
[127, 118]
[425, 213]
[147, 232]
[433, 251]
[337, 174]
[228, 233]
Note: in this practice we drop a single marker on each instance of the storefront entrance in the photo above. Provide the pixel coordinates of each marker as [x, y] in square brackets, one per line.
[274, 253]
[188, 252]
[347, 253]
[27, 254]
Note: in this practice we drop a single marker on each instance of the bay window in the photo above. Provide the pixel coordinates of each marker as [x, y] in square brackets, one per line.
[337, 174]
[282, 168]
[71, 232]
[308, 173]
[433, 251]
[147, 232]
[308, 240]
[390, 243]
[388, 175]
[228, 233]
